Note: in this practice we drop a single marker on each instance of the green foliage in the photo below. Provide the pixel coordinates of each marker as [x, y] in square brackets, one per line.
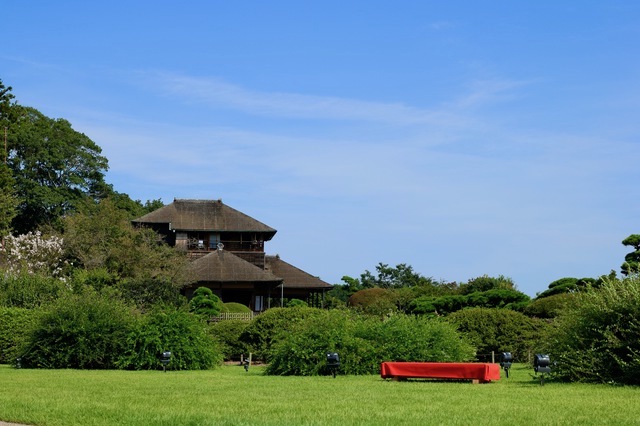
[486, 283]
[235, 308]
[548, 307]
[296, 303]
[15, 327]
[631, 263]
[205, 303]
[402, 275]
[97, 278]
[227, 333]
[363, 343]
[496, 298]
[597, 339]
[268, 327]
[55, 168]
[30, 290]
[8, 199]
[145, 292]
[136, 261]
[178, 331]
[500, 330]
[87, 330]
[373, 301]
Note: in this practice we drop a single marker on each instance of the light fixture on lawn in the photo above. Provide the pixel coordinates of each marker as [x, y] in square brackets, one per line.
[333, 362]
[505, 362]
[542, 365]
[18, 362]
[165, 358]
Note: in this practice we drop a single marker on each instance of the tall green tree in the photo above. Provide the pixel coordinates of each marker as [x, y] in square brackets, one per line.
[8, 201]
[54, 166]
[400, 276]
[631, 263]
[6, 106]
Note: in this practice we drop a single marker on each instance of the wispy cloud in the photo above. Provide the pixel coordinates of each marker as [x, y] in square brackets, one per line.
[221, 94]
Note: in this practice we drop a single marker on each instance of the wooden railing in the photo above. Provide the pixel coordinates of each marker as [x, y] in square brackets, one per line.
[243, 316]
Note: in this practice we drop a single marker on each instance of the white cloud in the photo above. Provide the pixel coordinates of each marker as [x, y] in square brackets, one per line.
[217, 93]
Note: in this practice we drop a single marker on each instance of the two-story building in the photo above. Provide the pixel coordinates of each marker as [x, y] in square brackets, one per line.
[226, 248]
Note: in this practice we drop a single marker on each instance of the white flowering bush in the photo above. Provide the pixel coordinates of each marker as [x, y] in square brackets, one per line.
[34, 254]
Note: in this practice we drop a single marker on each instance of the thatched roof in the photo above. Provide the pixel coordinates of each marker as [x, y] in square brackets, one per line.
[224, 266]
[294, 277]
[205, 215]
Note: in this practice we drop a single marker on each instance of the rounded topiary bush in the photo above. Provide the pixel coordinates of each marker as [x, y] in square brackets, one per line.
[549, 306]
[296, 302]
[205, 302]
[87, 330]
[184, 334]
[235, 308]
[597, 338]
[364, 342]
[373, 301]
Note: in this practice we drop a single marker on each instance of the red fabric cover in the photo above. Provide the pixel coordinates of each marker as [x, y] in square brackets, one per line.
[441, 370]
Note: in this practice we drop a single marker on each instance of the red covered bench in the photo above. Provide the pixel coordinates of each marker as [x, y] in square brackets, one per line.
[475, 371]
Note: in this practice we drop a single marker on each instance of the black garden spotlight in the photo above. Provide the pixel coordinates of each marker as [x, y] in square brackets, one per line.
[165, 358]
[542, 365]
[333, 362]
[505, 362]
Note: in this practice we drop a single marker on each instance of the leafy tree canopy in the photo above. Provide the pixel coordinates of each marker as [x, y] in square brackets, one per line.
[401, 275]
[55, 168]
[631, 263]
[485, 283]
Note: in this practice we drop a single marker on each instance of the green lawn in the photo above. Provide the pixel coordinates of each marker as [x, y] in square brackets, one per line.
[231, 396]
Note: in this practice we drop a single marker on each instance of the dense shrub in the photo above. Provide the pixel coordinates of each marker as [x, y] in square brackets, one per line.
[15, 326]
[235, 308]
[171, 329]
[296, 302]
[87, 330]
[373, 301]
[27, 290]
[415, 338]
[500, 330]
[597, 339]
[548, 307]
[227, 334]
[146, 292]
[363, 343]
[303, 350]
[267, 328]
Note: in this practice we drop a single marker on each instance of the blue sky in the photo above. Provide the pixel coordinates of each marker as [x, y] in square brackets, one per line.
[462, 138]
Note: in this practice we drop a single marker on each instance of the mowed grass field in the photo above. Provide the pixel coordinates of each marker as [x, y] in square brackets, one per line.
[230, 396]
